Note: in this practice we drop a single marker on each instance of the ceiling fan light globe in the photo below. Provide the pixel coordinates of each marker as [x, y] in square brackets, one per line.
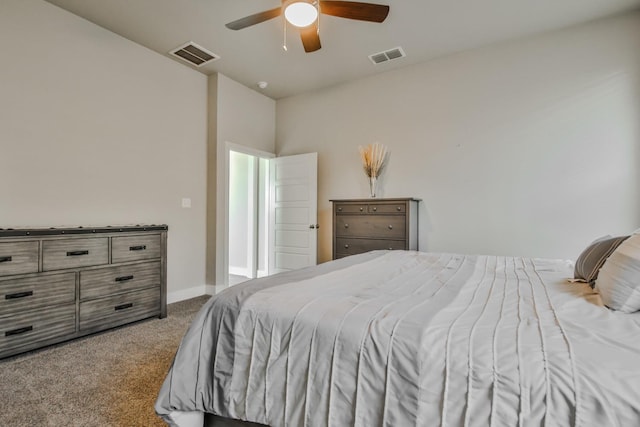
[301, 14]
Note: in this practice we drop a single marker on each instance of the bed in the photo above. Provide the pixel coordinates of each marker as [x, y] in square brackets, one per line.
[405, 338]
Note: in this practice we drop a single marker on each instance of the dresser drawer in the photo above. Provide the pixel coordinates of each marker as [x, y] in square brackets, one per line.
[358, 246]
[351, 208]
[19, 295]
[21, 331]
[73, 253]
[117, 310]
[135, 248]
[117, 279]
[386, 208]
[374, 226]
[18, 258]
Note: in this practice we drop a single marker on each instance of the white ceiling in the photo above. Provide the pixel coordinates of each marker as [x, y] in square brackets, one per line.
[425, 29]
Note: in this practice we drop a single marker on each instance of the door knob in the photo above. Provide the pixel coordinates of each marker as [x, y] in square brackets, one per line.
[312, 226]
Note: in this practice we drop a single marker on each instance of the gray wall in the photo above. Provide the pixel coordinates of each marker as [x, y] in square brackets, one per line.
[530, 147]
[97, 130]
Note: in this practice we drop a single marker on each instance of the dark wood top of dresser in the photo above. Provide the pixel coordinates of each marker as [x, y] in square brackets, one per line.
[54, 231]
[373, 200]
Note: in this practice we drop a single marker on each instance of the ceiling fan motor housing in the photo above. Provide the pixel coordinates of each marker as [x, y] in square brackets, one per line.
[300, 13]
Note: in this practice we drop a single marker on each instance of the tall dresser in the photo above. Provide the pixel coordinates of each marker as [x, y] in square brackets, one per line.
[62, 283]
[362, 225]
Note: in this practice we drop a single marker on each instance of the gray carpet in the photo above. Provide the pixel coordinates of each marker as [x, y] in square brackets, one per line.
[108, 379]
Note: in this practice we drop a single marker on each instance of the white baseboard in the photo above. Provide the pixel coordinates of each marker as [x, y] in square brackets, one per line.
[188, 293]
[193, 292]
[239, 271]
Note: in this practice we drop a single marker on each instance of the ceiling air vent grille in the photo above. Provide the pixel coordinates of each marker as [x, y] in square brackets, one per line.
[387, 55]
[194, 54]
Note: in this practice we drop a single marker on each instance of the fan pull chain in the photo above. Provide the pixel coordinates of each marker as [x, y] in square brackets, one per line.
[318, 18]
[284, 42]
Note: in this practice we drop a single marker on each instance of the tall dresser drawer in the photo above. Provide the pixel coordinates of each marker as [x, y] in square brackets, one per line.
[372, 226]
[135, 248]
[351, 208]
[358, 246]
[398, 208]
[73, 253]
[18, 258]
[18, 295]
[19, 332]
[117, 310]
[117, 279]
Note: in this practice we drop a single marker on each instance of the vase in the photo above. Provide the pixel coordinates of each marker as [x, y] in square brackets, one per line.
[373, 182]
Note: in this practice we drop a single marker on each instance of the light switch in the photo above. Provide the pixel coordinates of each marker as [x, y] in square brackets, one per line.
[186, 202]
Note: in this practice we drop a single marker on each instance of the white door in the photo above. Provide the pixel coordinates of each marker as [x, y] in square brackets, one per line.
[293, 212]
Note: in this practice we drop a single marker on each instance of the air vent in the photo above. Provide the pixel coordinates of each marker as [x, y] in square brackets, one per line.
[387, 55]
[194, 54]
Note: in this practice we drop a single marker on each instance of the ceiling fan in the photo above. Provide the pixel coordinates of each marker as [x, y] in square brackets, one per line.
[304, 15]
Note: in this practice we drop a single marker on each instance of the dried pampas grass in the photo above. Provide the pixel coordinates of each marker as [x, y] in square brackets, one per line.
[373, 157]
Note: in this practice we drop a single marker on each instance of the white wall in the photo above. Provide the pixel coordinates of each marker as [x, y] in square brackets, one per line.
[97, 130]
[241, 184]
[530, 147]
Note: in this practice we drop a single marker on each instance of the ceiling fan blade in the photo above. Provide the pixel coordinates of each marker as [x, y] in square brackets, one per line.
[310, 38]
[254, 19]
[355, 10]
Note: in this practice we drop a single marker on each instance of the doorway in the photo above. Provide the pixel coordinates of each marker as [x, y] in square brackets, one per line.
[248, 215]
[269, 213]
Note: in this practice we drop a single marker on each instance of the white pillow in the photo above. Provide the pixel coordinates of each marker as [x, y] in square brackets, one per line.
[619, 279]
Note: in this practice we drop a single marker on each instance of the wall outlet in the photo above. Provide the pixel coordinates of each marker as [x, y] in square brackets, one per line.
[186, 202]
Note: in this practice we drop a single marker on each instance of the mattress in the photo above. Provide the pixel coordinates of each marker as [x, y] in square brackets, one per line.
[403, 338]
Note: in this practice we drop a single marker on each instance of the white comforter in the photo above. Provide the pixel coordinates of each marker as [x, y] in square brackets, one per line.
[411, 339]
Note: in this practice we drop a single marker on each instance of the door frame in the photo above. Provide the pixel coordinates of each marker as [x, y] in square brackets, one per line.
[228, 147]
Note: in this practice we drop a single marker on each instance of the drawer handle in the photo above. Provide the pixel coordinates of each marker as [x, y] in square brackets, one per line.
[346, 246]
[124, 278]
[18, 295]
[123, 306]
[375, 209]
[5, 258]
[77, 253]
[390, 248]
[398, 208]
[339, 209]
[391, 227]
[138, 248]
[361, 209]
[346, 226]
[18, 331]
